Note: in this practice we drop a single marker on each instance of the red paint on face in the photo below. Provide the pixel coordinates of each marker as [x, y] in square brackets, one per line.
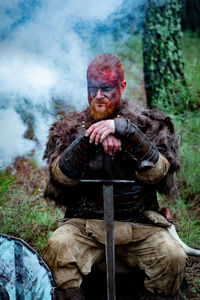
[107, 75]
[104, 94]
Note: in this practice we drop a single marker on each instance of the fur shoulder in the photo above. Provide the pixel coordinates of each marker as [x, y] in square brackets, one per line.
[156, 125]
[63, 132]
[159, 129]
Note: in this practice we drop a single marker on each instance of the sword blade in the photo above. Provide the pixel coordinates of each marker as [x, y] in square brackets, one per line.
[109, 238]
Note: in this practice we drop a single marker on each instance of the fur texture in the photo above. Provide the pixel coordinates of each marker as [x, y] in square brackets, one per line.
[156, 125]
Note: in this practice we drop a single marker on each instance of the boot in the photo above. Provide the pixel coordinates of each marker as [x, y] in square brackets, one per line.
[69, 294]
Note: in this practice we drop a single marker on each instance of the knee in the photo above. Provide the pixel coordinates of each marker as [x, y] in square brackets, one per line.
[60, 241]
[58, 245]
[173, 252]
[58, 252]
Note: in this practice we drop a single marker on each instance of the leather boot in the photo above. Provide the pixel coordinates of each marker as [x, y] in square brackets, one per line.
[69, 294]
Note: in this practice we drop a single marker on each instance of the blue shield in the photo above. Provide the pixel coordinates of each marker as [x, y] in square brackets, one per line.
[23, 273]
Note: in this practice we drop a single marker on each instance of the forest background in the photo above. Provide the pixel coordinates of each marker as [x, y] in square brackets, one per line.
[23, 211]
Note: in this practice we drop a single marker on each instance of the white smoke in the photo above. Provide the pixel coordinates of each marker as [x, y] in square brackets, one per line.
[42, 57]
[12, 130]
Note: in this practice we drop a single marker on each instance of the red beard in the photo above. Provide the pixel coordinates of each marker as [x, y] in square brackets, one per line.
[107, 110]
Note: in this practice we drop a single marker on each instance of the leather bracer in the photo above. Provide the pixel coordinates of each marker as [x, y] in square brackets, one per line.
[136, 143]
[74, 157]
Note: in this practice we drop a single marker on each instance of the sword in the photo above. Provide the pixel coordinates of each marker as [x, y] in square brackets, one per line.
[109, 231]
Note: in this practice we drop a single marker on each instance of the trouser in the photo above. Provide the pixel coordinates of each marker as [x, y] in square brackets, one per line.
[78, 244]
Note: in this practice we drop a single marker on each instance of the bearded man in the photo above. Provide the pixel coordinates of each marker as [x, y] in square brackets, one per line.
[112, 139]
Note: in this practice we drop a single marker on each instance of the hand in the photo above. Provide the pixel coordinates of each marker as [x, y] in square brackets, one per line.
[100, 130]
[111, 144]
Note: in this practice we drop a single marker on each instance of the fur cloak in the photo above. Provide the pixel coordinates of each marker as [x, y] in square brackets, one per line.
[157, 127]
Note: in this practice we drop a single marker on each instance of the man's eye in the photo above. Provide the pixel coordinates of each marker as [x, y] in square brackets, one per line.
[92, 89]
[106, 88]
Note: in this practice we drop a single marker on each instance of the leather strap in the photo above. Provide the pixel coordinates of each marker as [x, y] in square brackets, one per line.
[136, 143]
[74, 157]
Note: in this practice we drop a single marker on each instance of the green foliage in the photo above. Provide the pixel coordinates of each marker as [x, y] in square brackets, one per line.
[27, 217]
[191, 49]
[162, 47]
[131, 56]
[187, 224]
[188, 228]
[183, 107]
[186, 118]
[6, 180]
[188, 132]
[179, 98]
[182, 104]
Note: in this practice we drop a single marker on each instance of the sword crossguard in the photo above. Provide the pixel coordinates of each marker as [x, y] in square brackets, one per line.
[106, 181]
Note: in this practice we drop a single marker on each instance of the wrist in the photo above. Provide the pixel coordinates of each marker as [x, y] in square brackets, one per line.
[121, 127]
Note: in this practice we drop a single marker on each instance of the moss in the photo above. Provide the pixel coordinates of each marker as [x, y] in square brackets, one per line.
[162, 47]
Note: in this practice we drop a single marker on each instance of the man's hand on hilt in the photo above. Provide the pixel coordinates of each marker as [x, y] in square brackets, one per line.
[100, 130]
[111, 144]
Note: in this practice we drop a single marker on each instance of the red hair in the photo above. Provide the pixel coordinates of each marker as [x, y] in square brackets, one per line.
[104, 62]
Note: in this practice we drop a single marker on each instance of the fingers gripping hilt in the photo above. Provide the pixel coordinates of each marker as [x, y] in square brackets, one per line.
[74, 157]
[136, 143]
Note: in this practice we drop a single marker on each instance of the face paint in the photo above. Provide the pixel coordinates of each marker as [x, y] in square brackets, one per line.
[104, 94]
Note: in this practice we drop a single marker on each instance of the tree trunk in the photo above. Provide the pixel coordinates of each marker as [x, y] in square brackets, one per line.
[161, 47]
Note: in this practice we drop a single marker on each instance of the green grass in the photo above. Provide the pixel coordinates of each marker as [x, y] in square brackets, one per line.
[188, 223]
[188, 132]
[5, 182]
[186, 118]
[186, 220]
[25, 216]
[190, 48]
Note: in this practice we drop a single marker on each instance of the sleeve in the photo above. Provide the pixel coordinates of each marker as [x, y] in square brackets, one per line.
[66, 159]
[136, 143]
[59, 176]
[156, 173]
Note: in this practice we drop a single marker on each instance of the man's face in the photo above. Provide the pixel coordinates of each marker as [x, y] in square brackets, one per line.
[104, 93]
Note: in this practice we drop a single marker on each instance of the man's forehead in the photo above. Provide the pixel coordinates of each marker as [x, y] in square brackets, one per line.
[107, 76]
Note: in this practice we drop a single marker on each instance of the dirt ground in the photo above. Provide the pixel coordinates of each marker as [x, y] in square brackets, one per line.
[33, 179]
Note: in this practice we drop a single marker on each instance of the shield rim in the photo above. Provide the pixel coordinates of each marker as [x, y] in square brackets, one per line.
[40, 260]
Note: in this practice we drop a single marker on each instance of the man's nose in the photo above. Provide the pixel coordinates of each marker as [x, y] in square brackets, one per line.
[99, 94]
